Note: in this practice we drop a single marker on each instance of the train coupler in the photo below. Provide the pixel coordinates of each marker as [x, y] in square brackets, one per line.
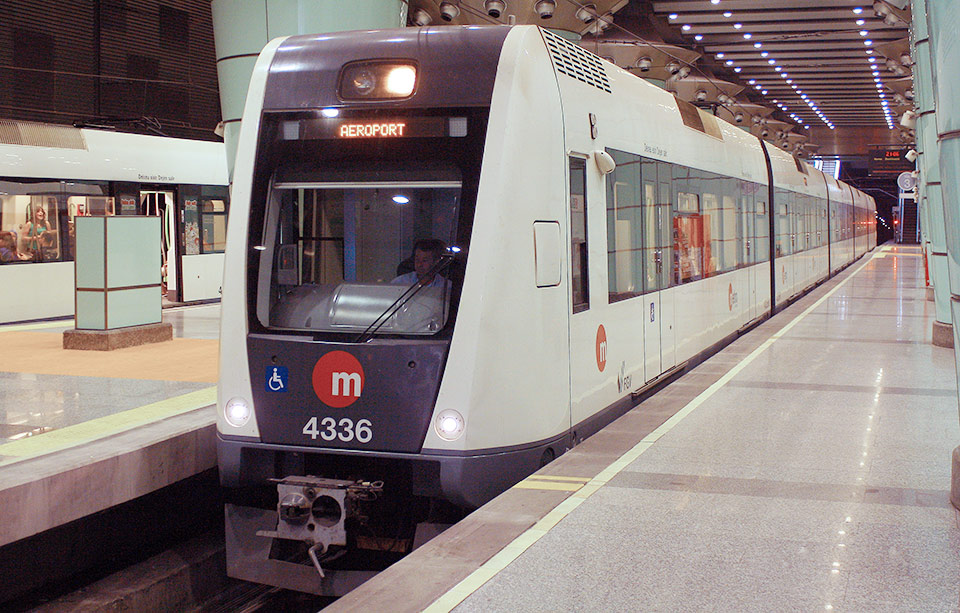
[314, 510]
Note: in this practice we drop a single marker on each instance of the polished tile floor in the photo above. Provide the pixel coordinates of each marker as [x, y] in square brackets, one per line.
[816, 479]
[35, 401]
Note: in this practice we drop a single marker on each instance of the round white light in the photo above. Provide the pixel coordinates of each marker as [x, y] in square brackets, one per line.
[401, 80]
[748, 36]
[236, 412]
[857, 10]
[673, 15]
[401, 199]
[737, 26]
[330, 112]
[449, 425]
[728, 14]
[698, 37]
[686, 27]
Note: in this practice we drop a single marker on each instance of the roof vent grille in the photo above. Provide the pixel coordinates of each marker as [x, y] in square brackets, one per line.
[576, 62]
[40, 135]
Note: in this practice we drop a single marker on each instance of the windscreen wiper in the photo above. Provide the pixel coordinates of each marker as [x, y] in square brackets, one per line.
[410, 292]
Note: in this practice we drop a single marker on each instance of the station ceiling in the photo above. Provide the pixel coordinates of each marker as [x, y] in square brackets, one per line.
[830, 54]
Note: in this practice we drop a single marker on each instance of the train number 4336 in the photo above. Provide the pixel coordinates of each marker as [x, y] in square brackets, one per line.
[346, 430]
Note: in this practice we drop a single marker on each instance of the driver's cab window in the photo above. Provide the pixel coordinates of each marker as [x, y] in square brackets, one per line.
[353, 252]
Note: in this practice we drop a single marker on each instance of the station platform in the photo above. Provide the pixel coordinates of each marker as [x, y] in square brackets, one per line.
[83, 431]
[806, 467]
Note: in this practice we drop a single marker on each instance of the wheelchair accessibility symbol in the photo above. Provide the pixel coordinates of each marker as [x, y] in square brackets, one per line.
[276, 378]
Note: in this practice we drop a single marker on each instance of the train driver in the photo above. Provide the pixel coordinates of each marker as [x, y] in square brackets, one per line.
[426, 254]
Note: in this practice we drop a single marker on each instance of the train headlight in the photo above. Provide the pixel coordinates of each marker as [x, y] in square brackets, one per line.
[378, 80]
[449, 425]
[400, 80]
[237, 412]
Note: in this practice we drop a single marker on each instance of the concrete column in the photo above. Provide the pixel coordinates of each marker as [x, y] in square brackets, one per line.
[928, 163]
[943, 21]
[241, 28]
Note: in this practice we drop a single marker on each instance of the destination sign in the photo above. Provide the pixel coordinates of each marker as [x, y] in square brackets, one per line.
[374, 128]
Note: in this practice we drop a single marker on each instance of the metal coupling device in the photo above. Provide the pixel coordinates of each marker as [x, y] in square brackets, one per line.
[314, 510]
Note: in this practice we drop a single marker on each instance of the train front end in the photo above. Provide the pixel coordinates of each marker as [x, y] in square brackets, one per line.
[355, 187]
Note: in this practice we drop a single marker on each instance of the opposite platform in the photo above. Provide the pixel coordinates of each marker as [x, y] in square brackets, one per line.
[804, 467]
[81, 431]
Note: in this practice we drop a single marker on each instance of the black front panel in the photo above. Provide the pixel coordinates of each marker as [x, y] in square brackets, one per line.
[376, 396]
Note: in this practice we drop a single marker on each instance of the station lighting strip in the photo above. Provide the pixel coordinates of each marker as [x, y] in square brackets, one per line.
[875, 70]
[779, 69]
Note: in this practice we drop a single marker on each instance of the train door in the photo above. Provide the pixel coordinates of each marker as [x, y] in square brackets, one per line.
[748, 250]
[658, 334]
[162, 203]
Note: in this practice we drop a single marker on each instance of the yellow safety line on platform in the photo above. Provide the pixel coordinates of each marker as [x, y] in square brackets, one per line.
[512, 551]
[66, 323]
[528, 484]
[102, 427]
[559, 478]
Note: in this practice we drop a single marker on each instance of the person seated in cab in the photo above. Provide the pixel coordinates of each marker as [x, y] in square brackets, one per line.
[426, 254]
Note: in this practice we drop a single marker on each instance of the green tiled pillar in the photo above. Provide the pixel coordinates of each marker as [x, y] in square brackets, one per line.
[943, 22]
[928, 162]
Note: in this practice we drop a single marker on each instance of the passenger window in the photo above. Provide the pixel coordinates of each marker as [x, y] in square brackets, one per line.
[624, 221]
[213, 220]
[689, 239]
[579, 268]
[29, 224]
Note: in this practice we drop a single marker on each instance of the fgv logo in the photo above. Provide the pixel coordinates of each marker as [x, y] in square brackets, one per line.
[338, 379]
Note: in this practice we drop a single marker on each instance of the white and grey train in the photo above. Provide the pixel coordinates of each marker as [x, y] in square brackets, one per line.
[50, 174]
[589, 235]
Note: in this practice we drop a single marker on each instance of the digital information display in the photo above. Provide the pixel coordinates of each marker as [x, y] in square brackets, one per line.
[889, 161]
[374, 128]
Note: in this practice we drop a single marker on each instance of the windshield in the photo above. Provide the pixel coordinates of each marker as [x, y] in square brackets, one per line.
[362, 235]
[344, 252]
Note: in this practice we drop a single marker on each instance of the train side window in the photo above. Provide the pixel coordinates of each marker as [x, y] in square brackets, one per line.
[624, 224]
[761, 232]
[688, 238]
[713, 235]
[30, 222]
[579, 265]
[731, 256]
[213, 219]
